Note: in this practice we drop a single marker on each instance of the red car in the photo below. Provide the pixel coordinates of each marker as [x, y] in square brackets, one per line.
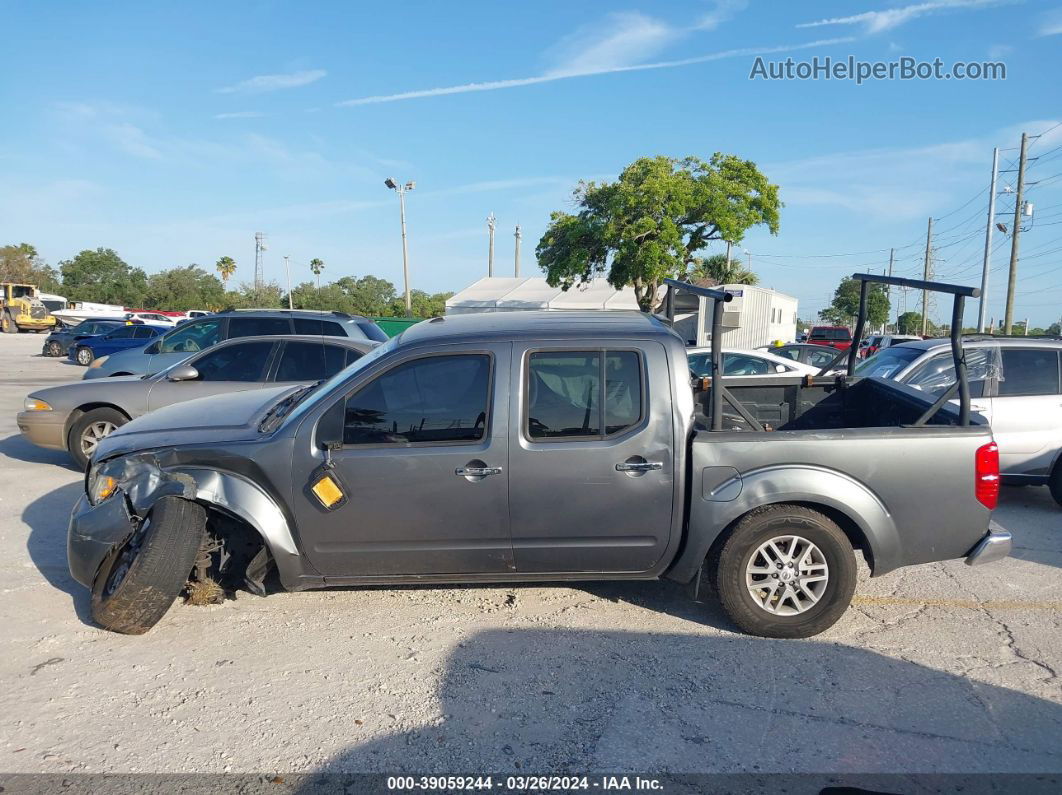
[838, 337]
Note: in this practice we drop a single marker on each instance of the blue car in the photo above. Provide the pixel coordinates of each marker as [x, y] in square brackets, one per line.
[59, 341]
[85, 351]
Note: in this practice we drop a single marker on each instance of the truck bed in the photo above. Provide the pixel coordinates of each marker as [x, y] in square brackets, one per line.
[908, 489]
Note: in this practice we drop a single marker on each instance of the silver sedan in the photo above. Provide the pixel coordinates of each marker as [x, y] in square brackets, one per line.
[75, 417]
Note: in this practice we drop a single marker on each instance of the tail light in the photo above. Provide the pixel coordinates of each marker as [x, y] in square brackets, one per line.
[986, 475]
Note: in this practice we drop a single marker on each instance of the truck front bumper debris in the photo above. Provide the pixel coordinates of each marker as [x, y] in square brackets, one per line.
[94, 532]
[994, 546]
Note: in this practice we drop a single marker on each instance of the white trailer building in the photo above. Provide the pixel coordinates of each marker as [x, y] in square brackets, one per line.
[756, 316]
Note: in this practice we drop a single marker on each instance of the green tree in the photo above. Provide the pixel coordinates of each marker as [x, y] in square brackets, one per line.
[909, 323]
[270, 296]
[716, 268]
[845, 306]
[22, 264]
[103, 276]
[423, 304]
[179, 289]
[369, 295]
[316, 266]
[330, 298]
[226, 266]
[650, 224]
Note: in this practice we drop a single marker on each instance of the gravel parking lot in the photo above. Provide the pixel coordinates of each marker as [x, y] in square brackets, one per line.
[937, 668]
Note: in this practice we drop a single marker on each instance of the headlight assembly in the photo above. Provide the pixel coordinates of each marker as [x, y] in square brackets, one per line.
[103, 481]
[35, 404]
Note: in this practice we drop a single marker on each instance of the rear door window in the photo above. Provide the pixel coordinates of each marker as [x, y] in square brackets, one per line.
[821, 358]
[123, 333]
[1028, 371]
[582, 394]
[258, 326]
[310, 361]
[327, 328]
[243, 362]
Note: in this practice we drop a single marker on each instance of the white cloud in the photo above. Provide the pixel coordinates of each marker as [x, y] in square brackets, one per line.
[494, 85]
[722, 11]
[625, 38]
[997, 51]
[879, 21]
[261, 84]
[242, 114]
[1050, 23]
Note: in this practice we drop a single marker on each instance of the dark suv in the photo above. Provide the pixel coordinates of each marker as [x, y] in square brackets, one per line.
[195, 335]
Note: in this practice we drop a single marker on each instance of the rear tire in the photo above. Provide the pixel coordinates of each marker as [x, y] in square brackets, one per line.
[8, 324]
[84, 356]
[1055, 483]
[89, 430]
[795, 601]
[138, 582]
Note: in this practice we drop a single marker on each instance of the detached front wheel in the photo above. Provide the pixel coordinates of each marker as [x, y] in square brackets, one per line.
[785, 572]
[138, 582]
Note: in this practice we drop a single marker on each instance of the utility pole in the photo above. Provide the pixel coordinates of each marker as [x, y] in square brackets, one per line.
[729, 245]
[1015, 235]
[892, 255]
[928, 273]
[983, 306]
[259, 265]
[516, 257]
[401, 191]
[287, 275]
[491, 221]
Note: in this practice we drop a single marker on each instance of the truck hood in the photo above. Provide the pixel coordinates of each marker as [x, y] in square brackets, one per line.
[218, 419]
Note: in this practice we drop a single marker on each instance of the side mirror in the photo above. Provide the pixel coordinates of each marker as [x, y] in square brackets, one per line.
[152, 349]
[330, 427]
[184, 372]
[780, 368]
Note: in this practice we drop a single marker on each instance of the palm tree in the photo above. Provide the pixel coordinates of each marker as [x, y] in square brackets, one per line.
[317, 265]
[226, 267]
[715, 267]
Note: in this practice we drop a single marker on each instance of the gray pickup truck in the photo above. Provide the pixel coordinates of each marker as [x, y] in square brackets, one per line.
[537, 447]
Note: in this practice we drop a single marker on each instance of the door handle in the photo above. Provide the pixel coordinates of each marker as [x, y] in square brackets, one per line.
[475, 472]
[639, 466]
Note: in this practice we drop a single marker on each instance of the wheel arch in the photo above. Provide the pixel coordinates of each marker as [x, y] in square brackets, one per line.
[84, 409]
[850, 504]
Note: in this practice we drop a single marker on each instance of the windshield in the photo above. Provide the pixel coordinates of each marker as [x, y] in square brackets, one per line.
[310, 398]
[888, 362]
[841, 334]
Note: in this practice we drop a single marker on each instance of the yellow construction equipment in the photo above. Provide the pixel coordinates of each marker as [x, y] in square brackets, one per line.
[21, 309]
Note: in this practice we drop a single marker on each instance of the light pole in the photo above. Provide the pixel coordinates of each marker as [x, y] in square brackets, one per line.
[401, 191]
[287, 275]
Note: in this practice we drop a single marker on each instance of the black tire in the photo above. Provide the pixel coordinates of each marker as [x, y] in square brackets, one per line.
[741, 547]
[91, 423]
[138, 582]
[84, 356]
[53, 348]
[8, 324]
[1055, 483]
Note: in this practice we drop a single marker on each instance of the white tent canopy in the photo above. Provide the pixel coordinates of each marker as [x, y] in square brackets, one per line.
[508, 294]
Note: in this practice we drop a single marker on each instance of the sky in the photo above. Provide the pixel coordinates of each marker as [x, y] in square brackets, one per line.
[172, 132]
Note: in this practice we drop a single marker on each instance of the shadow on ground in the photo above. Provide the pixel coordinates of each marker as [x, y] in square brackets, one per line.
[571, 701]
[1035, 520]
[18, 449]
[47, 519]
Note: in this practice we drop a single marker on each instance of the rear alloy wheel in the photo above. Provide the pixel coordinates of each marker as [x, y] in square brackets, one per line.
[84, 356]
[89, 430]
[785, 571]
[53, 348]
[138, 582]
